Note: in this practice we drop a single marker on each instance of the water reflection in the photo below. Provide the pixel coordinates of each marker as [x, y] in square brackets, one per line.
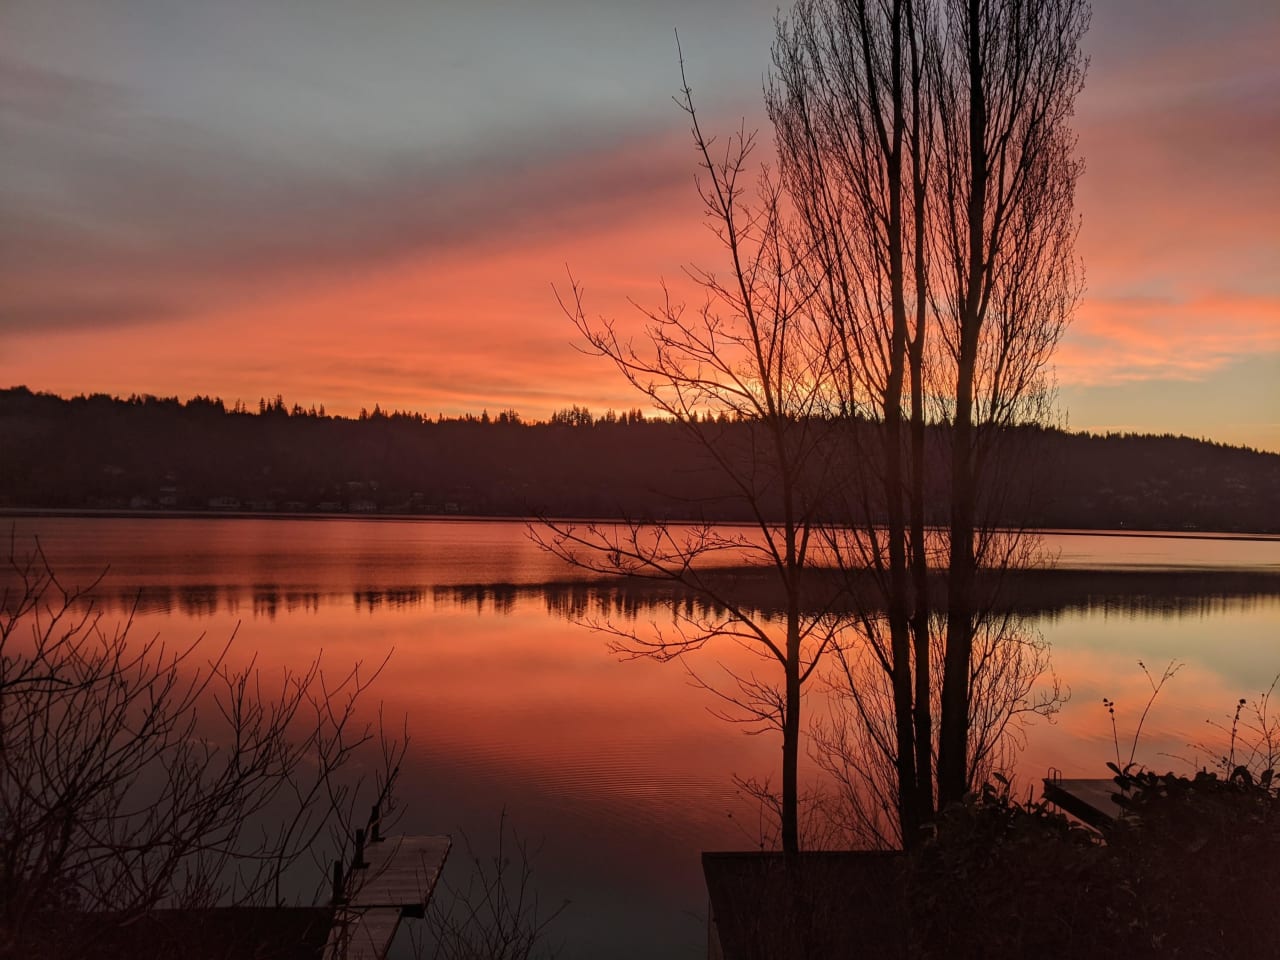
[1042, 594]
[620, 767]
[395, 598]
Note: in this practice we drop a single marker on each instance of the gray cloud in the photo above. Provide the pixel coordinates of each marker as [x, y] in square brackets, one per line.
[66, 314]
[163, 157]
[177, 212]
[47, 95]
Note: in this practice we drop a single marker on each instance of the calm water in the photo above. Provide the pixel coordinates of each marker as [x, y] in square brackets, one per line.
[618, 769]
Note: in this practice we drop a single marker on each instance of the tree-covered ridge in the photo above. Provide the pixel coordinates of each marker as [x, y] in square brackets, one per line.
[149, 453]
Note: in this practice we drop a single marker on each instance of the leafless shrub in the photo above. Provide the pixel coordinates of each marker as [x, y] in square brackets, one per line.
[135, 774]
[496, 914]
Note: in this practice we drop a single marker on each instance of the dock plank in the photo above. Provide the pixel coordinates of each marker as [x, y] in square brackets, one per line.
[400, 877]
[1089, 800]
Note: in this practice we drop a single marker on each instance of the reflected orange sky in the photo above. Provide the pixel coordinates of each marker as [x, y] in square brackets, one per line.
[619, 769]
[529, 699]
[530, 704]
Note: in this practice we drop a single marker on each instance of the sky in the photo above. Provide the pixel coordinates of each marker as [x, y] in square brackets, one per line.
[357, 203]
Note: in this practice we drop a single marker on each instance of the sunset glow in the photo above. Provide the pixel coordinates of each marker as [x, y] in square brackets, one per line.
[357, 208]
[598, 478]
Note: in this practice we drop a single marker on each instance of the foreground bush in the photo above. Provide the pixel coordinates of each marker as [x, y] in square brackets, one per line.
[1189, 871]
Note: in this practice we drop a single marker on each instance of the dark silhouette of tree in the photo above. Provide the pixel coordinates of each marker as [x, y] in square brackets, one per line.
[742, 376]
[849, 101]
[1007, 77]
[927, 150]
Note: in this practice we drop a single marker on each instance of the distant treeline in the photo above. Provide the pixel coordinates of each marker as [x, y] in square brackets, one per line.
[148, 453]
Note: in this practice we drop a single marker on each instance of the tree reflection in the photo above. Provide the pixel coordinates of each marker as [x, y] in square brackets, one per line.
[855, 745]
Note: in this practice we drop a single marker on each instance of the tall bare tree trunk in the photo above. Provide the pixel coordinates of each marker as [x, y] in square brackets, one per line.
[954, 737]
[791, 737]
[891, 403]
[920, 615]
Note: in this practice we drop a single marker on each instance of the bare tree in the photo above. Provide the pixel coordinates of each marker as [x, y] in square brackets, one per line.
[743, 373]
[1007, 77]
[912, 264]
[849, 102]
[926, 149]
[135, 775]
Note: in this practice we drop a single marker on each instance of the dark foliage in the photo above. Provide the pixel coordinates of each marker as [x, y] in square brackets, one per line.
[1189, 872]
[1201, 856]
[1009, 879]
[100, 452]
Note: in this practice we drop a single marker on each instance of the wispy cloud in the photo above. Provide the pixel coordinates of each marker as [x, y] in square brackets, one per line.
[1179, 203]
[194, 220]
[1127, 339]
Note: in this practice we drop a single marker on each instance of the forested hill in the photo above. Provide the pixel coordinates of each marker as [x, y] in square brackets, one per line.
[145, 453]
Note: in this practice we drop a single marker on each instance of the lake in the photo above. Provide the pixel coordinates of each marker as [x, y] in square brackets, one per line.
[615, 770]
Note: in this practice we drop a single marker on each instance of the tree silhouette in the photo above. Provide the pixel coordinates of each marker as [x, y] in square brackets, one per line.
[742, 375]
[926, 148]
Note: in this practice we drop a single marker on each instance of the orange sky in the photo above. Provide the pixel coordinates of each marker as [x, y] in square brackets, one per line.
[356, 211]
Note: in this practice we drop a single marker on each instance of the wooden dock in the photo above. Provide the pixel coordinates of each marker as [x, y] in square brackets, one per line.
[1092, 801]
[394, 878]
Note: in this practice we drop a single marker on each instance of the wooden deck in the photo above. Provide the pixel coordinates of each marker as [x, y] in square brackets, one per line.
[399, 877]
[1090, 801]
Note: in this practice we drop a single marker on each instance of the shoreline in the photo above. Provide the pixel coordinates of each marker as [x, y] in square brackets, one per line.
[124, 513]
